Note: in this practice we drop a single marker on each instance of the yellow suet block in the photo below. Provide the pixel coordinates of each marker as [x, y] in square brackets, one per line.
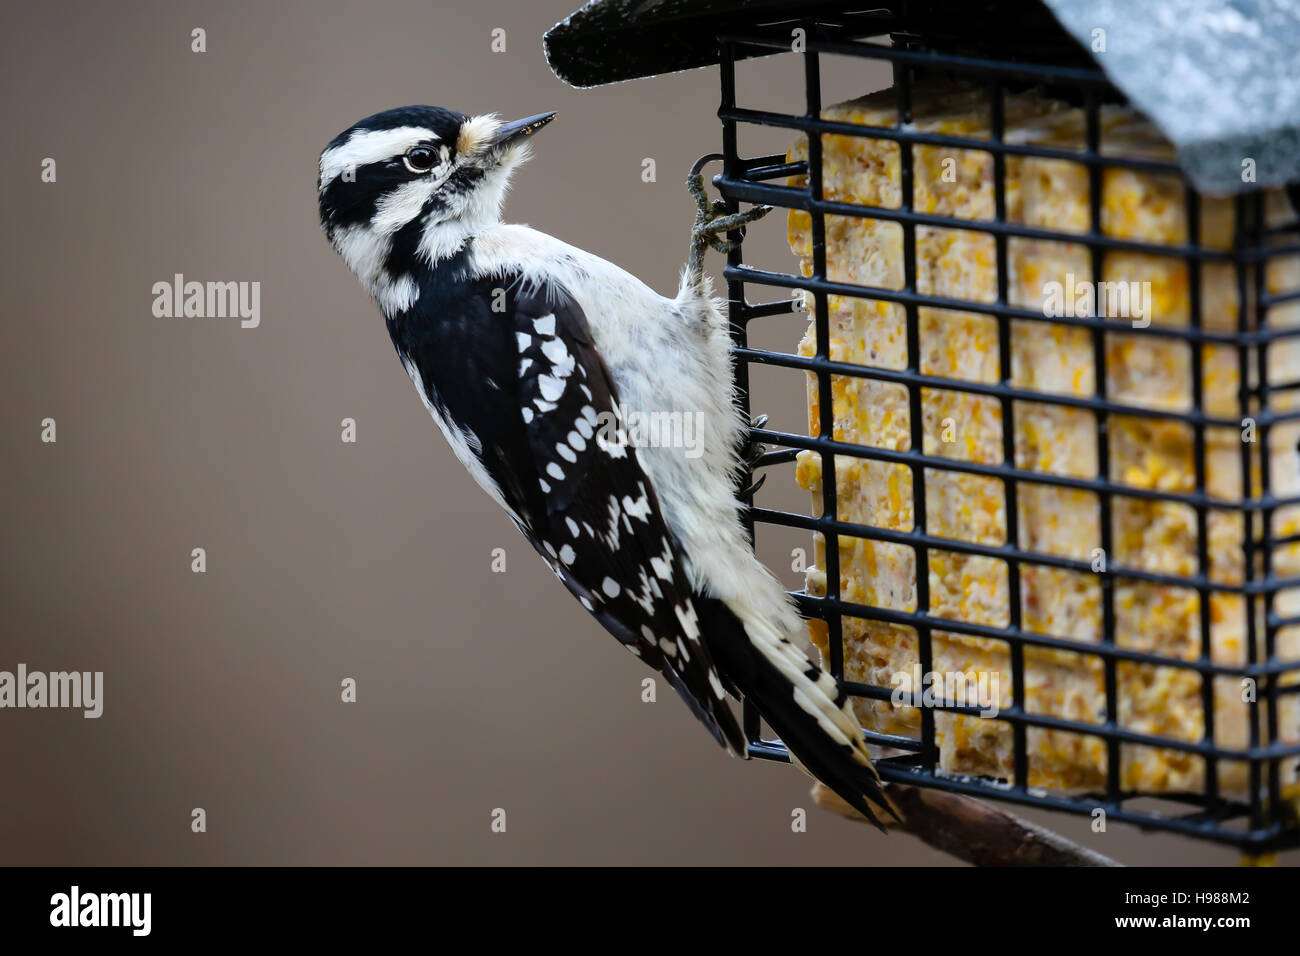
[1142, 370]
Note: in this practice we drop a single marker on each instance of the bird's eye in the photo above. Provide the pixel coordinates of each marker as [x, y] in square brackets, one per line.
[420, 159]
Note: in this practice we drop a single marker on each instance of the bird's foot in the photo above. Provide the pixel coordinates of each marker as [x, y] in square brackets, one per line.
[713, 222]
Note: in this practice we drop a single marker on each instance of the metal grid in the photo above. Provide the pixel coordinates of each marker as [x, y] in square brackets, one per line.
[1259, 821]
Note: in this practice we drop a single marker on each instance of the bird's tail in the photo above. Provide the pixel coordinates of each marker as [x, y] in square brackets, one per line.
[801, 702]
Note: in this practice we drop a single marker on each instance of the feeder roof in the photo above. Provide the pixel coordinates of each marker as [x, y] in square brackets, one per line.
[1219, 77]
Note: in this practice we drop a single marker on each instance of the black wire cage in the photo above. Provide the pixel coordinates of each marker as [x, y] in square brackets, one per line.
[1241, 788]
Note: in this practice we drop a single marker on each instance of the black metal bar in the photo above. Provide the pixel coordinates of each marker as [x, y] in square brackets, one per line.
[766, 277]
[1258, 840]
[1011, 508]
[814, 124]
[783, 196]
[1047, 722]
[1259, 271]
[825, 394]
[1006, 472]
[751, 720]
[918, 538]
[913, 539]
[916, 413]
[998, 390]
[819, 606]
[779, 39]
[1092, 109]
[1244, 309]
[1203, 594]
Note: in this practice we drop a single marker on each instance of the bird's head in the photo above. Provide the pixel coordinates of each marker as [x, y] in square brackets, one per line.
[416, 182]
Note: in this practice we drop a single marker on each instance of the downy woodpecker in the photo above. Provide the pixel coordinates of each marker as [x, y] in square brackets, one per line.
[530, 355]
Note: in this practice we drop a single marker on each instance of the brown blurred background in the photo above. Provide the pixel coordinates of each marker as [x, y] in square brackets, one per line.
[326, 560]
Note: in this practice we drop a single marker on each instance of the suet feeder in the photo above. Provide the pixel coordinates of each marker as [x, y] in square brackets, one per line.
[1051, 278]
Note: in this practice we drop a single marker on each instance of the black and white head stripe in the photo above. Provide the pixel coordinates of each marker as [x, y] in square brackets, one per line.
[367, 173]
[366, 147]
[408, 187]
[364, 164]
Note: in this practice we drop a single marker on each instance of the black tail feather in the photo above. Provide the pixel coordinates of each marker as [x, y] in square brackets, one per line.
[763, 684]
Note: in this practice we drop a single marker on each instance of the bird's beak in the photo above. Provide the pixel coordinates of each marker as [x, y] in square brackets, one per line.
[520, 130]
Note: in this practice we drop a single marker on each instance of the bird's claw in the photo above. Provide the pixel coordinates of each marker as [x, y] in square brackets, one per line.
[752, 452]
[750, 491]
[710, 225]
[713, 222]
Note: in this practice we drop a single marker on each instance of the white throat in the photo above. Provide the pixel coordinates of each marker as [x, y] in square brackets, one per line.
[477, 210]
[366, 247]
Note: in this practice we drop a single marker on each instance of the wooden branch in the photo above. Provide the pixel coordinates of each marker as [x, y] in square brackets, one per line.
[971, 830]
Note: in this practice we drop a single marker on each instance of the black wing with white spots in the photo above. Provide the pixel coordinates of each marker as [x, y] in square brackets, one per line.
[551, 443]
[602, 529]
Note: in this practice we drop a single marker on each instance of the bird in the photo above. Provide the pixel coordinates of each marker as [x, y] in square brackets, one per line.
[533, 356]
